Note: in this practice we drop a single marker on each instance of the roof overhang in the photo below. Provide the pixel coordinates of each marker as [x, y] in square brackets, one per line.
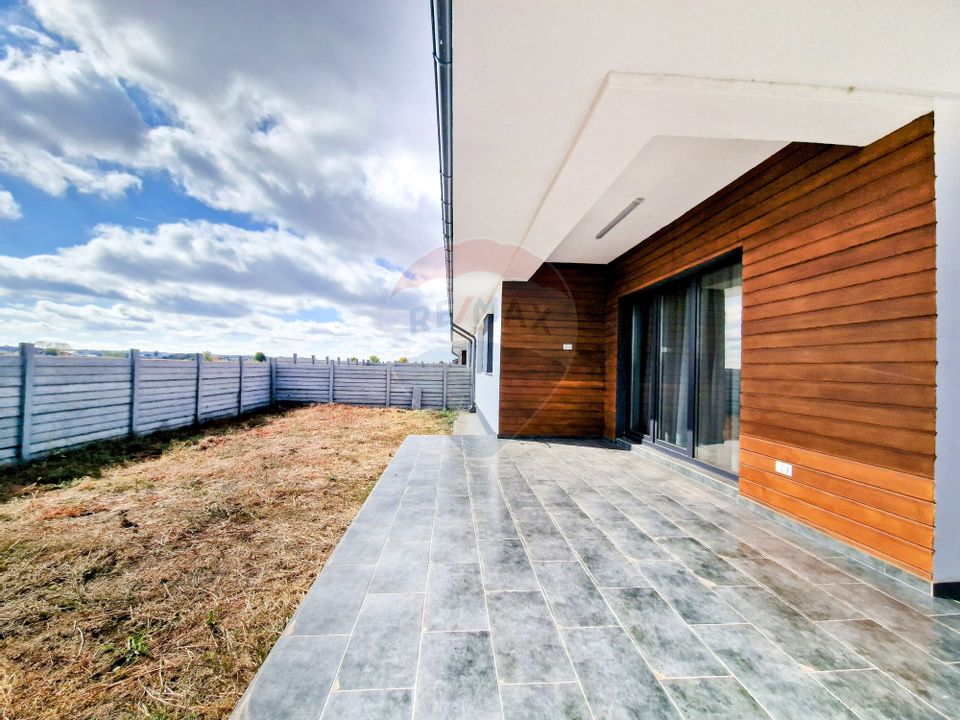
[675, 141]
[565, 112]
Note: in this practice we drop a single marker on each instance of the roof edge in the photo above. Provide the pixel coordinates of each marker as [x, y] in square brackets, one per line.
[441, 12]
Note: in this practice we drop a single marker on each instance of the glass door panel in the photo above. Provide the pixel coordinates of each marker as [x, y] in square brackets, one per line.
[684, 366]
[642, 369]
[675, 358]
[718, 368]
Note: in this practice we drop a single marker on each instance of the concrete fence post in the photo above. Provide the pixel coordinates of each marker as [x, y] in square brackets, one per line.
[197, 413]
[389, 373]
[294, 358]
[240, 387]
[27, 365]
[330, 381]
[134, 390]
[313, 359]
[444, 401]
[273, 380]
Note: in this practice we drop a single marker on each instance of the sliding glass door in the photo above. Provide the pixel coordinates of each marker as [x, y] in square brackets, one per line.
[720, 299]
[684, 366]
[643, 367]
[675, 362]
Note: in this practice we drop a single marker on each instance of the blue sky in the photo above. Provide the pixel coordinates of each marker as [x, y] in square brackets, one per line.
[217, 176]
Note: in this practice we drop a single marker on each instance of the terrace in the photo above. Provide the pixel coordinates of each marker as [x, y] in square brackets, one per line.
[489, 578]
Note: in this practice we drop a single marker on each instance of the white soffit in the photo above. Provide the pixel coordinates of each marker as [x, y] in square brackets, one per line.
[675, 141]
[473, 292]
[672, 175]
[546, 140]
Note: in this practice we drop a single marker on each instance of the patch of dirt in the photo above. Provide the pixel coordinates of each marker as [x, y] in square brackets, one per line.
[152, 578]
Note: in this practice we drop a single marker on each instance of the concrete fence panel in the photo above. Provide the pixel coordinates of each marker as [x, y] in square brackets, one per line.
[10, 375]
[50, 403]
[380, 385]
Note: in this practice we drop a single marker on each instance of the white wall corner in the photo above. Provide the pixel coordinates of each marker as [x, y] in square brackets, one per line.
[488, 384]
[946, 138]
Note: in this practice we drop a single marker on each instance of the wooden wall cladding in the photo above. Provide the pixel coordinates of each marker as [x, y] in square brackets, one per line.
[888, 513]
[839, 346]
[544, 389]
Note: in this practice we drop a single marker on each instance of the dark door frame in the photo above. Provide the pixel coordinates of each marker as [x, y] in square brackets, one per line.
[626, 305]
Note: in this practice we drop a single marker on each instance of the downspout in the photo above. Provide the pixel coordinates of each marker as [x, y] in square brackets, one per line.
[441, 12]
[473, 362]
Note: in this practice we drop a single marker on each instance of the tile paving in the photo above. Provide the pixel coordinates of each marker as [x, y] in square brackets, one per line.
[497, 579]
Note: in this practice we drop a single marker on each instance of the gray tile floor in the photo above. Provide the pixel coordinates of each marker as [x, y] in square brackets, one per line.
[510, 579]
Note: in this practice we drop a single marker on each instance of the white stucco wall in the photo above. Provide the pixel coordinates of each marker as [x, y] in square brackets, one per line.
[946, 139]
[488, 384]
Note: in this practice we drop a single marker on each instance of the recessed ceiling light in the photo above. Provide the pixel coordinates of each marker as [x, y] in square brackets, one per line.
[620, 216]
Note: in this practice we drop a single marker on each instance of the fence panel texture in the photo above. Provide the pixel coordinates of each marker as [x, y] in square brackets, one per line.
[388, 384]
[52, 403]
[9, 407]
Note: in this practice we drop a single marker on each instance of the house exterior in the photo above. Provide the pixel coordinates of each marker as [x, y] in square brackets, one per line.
[725, 233]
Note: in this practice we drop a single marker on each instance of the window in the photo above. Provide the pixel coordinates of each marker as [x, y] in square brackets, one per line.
[683, 374]
[485, 345]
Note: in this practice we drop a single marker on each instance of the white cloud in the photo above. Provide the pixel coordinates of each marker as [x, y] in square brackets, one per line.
[317, 122]
[9, 208]
[54, 175]
[319, 119]
[62, 122]
[186, 285]
[398, 180]
[31, 35]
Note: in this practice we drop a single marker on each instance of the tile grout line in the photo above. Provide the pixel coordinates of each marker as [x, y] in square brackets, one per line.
[483, 584]
[574, 463]
[426, 593]
[619, 484]
[886, 674]
[620, 510]
[660, 681]
[890, 629]
[543, 593]
[613, 613]
[566, 538]
[764, 635]
[787, 569]
[786, 522]
[756, 524]
[871, 665]
[336, 675]
[767, 637]
[746, 574]
[692, 629]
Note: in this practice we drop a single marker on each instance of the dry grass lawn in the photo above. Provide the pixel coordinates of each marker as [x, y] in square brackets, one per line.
[151, 579]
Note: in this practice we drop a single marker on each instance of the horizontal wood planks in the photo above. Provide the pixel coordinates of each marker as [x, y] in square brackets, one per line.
[888, 513]
[546, 390]
[839, 332]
